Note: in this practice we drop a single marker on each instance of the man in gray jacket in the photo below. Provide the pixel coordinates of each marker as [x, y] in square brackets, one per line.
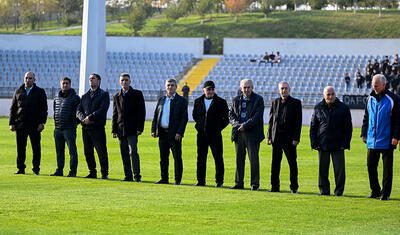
[65, 105]
[246, 118]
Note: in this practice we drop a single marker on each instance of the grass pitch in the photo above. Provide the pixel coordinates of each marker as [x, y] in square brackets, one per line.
[60, 205]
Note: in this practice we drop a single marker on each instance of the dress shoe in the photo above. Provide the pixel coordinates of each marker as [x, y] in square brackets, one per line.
[293, 191]
[19, 172]
[237, 187]
[324, 194]
[71, 174]
[36, 173]
[104, 177]
[91, 176]
[273, 190]
[128, 179]
[57, 174]
[138, 180]
[338, 194]
[384, 198]
[200, 184]
[255, 188]
[219, 185]
[177, 182]
[374, 195]
[161, 181]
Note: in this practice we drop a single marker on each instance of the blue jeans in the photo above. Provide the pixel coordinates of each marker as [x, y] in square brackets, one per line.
[60, 137]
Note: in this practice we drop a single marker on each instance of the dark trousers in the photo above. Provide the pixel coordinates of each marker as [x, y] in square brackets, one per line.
[128, 147]
[60, 138]
[372, 162]
[95, 138]
[165, 144]
[291, 156]
[214, 140]
[22, 138]
[242, 144]
[338, 167]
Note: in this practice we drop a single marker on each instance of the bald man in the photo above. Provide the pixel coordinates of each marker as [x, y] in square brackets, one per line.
[330, 133]
[28, 114]
[381, 131]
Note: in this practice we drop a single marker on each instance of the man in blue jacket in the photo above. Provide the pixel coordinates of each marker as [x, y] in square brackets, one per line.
[330, 133]
[380, 131]
[92, 112]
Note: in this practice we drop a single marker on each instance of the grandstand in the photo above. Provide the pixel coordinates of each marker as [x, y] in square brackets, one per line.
[149, 70]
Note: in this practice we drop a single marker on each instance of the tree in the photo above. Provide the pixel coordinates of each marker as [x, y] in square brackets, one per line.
[5, 12]
[204, 7]
[187, 6]
[173, 12]
[235, 7]
[266, 7]
[318, 4]
[137, 17]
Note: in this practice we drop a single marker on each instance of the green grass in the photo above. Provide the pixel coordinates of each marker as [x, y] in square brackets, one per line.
[280, 24]
[59, 205]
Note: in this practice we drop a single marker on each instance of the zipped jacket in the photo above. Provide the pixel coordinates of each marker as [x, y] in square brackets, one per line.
[381, 120]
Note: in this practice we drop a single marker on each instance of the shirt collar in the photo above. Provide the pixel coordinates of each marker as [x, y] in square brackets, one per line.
[172, 97]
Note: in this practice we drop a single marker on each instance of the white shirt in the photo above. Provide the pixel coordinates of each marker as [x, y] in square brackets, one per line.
[165, 113]
[207, 103]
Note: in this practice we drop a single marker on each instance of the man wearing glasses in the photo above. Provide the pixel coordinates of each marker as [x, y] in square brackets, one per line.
[28, 114]
[330, 133]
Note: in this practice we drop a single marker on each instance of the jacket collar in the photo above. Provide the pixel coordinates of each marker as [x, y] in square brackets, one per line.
[121, 92]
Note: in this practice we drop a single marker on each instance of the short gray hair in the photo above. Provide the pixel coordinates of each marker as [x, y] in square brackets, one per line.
[171, 80]
[242, 82]
[329, 87]
[380, 77]
[284, 82]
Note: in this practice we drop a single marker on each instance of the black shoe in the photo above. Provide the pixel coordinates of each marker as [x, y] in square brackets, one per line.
[177, 182]
[19, 172]
[255, 188]
[219, 185]
[161, 181]
[200, 184]
[338, 194]
[104, 177]
[237, 187]
[36, 173]
[57, 174]
[138, 180]
[128, 179]
[71, 174]
[324, 194]
[273, 190]
[385, 198]
[374, 195]
[91, 176]
[294, 191]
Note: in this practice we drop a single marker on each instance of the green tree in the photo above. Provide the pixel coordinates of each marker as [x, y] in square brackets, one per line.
[187, 7]
[267, 7]
[204, 7]
[173, 12]
[5, 12]
[140, 11]
[318, 4]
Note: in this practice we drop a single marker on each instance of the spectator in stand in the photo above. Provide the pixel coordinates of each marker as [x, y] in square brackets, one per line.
[271, 58]
[380, 69]
[394, 81]
[395, 65]
[374, 72]
[359, 79]
[368, 79]
[396, 57]
[278, 58]
[369, 67]
[347, 80]
[207, 45]
[264, 59]
[185, 91]
[376, 65]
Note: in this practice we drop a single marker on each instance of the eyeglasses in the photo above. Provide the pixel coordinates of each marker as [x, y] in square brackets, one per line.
[30, 77]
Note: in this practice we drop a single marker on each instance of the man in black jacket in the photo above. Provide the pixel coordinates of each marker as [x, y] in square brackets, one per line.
[246, 117]
[28, 114]
[92, 112]
[210, 112]
[330, 133]
[284, 134]
[169, 123]
[128, 118]
[65, 105]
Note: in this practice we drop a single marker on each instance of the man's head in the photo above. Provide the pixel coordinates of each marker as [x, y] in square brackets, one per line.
[284, 89]
[94, 81]
[29, 79]
[246, 86]
[379, 83]
[329, 95]
[125, 81]
[209, 89]
[170, 86]
[65, 84]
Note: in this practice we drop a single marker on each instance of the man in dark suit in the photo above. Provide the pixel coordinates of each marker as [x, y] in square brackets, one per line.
[92, 112]
[330, 133]
[169, 123]
[28, 114]
[246, 118]
[284, 134]
[211, 114]
[128, 118]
